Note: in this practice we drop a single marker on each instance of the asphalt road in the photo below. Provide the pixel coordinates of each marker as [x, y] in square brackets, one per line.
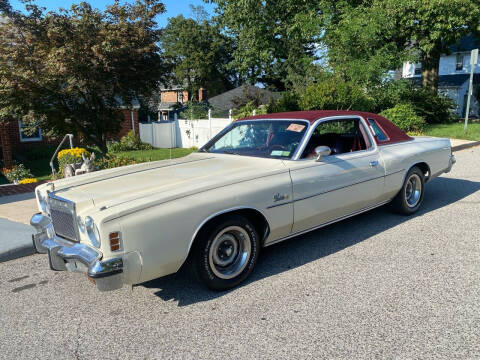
[376, 286]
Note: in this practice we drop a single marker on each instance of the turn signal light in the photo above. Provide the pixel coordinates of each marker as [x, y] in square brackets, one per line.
[114, 241]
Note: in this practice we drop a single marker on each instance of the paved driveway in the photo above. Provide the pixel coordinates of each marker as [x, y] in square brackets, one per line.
[376, 286]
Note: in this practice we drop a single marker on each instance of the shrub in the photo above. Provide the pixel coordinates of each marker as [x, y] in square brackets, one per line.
[17, 173]
[28, 181]
[127, 143]
[334, 94]
[194, 110]
[70, 156]
[433, 108]
[247, 110]
[405, 117]
[112, 161]
[287, 102]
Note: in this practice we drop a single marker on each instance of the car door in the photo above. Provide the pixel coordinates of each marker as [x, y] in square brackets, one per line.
[337, 186]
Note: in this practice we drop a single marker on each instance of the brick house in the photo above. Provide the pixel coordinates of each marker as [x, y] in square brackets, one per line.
[171, 99]
[14, 140]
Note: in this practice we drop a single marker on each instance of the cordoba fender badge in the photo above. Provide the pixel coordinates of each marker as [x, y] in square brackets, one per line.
[278, 197]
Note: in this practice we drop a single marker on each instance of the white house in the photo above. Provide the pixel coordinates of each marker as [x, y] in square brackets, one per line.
[454, 74]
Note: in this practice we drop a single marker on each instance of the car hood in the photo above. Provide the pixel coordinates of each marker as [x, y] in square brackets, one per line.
[166, 179]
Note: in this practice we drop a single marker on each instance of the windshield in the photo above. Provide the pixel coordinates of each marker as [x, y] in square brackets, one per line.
[262, 138]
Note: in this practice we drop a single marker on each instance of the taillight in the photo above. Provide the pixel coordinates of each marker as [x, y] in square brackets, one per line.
[114, 241]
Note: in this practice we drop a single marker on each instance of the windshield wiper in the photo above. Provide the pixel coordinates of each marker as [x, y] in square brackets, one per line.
[203, 150]
[231, 152]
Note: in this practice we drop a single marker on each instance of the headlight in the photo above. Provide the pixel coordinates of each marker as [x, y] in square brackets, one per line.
[92, 231]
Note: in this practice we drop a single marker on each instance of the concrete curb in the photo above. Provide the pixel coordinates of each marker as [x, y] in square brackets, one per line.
[465, 145]
[15, 240]
[16, 253]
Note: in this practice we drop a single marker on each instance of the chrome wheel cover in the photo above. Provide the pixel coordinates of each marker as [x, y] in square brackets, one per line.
[413, 190]
[230, 251]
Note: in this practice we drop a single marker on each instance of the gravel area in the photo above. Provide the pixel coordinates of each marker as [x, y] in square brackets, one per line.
[375, 286]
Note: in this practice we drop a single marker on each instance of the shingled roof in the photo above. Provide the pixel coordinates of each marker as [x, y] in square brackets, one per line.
[225, 101]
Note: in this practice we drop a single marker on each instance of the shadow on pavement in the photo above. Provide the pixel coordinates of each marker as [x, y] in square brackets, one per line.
[309, 247]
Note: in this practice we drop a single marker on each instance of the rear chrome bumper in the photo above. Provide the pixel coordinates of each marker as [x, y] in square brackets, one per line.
[451, 161]
[64, 255]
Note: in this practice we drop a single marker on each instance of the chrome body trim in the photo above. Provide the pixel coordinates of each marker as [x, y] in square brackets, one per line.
[224, 131]
[313, 126]
[327, 223]
[65, 255]
[224, 212]
[335, 189]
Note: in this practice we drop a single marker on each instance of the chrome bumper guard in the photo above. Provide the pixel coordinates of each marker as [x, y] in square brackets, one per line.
[65, 255]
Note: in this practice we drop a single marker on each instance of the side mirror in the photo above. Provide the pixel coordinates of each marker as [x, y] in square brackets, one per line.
[322, 151]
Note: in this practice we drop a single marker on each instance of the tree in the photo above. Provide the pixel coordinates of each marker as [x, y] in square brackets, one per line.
[198, 54]
[72, 70]
[274, 40]
[367, 38]
[433, 26]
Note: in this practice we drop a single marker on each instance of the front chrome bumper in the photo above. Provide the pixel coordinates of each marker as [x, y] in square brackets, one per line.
[65, 255]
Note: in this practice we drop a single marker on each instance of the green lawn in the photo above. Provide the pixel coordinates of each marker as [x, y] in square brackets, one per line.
[454, 131]
[154, 154]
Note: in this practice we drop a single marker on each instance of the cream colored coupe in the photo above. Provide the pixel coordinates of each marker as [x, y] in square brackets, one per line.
[262, 180]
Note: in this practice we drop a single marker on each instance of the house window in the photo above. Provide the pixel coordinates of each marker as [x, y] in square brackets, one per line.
[180, 96]
[418, 69]
[24, 137]
[459, 63]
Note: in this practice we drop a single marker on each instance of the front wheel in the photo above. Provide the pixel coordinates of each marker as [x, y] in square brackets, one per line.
[410, 197]
[226, 252]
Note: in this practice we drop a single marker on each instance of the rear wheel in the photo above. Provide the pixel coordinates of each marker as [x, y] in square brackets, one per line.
[410, 197]
[226, 252]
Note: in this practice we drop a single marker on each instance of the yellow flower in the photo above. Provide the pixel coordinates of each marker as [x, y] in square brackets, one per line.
[28, 181]
[76, 152]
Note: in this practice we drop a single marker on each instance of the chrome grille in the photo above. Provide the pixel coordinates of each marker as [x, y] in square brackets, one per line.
[62, 213]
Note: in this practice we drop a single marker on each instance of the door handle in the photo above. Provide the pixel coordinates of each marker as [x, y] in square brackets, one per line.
[373, 163]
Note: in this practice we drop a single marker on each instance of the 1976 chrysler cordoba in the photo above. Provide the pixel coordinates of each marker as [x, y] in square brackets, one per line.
[261, 180]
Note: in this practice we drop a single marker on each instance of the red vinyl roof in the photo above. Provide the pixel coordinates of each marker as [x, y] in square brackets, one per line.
[393, 132]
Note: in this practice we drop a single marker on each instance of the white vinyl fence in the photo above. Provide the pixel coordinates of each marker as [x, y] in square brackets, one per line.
[182, 133]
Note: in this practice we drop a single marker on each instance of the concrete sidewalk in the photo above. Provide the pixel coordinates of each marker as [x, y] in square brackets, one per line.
[18, 208]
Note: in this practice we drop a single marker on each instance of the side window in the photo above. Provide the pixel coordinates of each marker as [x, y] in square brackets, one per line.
[341, 136]
[377, 131]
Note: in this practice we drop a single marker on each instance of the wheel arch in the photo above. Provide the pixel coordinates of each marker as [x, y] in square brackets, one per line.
[257, 218]
[423, 166]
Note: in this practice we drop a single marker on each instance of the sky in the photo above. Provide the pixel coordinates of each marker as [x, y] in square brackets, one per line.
[173, 7]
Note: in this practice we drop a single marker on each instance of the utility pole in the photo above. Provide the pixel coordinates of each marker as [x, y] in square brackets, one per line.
[473, 62]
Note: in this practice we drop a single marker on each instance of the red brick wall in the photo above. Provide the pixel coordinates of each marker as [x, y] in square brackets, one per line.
[172, 96]
[126, 124]
[6, 144]
[10, 136]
